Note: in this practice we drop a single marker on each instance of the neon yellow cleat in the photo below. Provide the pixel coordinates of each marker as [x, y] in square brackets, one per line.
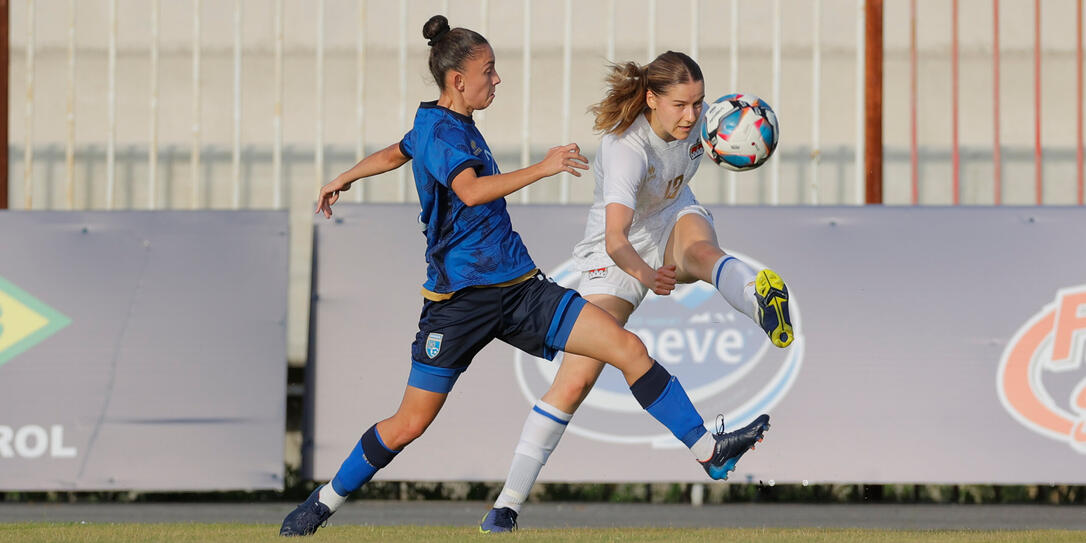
[772, 295]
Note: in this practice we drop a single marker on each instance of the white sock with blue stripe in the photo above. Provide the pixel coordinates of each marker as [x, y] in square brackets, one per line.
[542, 430]
[734, 279]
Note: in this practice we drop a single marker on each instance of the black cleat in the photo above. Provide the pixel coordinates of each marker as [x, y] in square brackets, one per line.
[732, 445]
[307, 517]
[502, 519]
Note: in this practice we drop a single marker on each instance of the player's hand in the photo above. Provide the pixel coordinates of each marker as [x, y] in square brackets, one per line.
[664, 280]
[567, 158]
[329, 194]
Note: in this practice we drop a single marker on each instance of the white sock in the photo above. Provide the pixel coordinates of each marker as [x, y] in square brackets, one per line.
[734, 279]
[703, 447]
[328, 496]
[542, 430]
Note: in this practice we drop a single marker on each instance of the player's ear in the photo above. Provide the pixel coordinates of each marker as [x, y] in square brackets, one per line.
[458, 81]
[650, 99]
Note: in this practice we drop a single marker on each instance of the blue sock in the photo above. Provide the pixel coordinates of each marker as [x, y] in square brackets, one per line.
[663, 397]
[368, 456]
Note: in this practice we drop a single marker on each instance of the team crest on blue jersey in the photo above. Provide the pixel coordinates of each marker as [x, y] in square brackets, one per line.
[433, 344]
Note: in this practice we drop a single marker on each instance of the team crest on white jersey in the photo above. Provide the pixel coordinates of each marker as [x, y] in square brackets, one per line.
[433, 344]
[696, 150]
[598, 273]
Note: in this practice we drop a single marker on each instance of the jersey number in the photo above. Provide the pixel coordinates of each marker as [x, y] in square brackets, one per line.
[673, 187]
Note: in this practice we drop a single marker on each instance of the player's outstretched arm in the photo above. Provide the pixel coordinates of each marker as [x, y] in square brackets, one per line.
[619, 248]
[382, 161]
[473, 190]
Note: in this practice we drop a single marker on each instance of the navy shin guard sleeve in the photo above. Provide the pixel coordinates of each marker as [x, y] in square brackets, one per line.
[664, 398]
[648, 387]
[369, 455]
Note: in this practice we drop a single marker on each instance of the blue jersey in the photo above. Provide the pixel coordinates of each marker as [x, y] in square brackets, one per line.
[465, 246]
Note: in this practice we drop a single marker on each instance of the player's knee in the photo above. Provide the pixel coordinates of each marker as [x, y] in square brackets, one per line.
[403, 430]
[570, 392]
[414, 429]
[703, 252]
[632, 347]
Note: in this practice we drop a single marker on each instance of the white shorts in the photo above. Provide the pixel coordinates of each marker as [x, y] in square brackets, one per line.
[612, 280]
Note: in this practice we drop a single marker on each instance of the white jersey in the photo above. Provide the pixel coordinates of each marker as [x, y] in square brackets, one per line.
[643, 172]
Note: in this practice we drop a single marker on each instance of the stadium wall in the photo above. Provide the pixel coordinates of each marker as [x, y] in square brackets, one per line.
[142, 351]
[921, 355]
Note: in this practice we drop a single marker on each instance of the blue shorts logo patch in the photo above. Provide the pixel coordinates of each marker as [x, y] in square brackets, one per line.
[433, 344]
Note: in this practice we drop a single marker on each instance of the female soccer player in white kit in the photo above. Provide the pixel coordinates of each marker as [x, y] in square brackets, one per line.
[645, 231]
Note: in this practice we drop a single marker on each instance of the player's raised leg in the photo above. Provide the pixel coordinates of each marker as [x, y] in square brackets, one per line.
[762, 296]
[375, 450]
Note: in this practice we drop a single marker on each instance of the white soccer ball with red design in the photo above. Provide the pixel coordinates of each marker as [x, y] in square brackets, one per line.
[740, 131]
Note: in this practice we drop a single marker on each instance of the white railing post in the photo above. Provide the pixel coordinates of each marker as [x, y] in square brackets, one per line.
[152, 151]
[816, 99]
[733, 178]
[195, 158]
[695, 28]
[484, 29]
[318, 144]
[28, 151]
[277, 119]
[775, 165]
[236, 144]
[610, 30]
[858, 166]
[650, 52]
[360, 93]
[401, 174]
[567, 81]
[526, 97]
[69, 147]
[111, 114]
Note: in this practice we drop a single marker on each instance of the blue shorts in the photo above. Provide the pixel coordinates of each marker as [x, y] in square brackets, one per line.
[535, 316]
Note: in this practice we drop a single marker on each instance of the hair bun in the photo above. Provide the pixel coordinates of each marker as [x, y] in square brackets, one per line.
[435, 29]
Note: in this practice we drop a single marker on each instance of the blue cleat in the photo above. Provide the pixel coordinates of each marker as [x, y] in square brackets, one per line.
[772, 296]
[499, 520]
[307, 517]
[732, 445]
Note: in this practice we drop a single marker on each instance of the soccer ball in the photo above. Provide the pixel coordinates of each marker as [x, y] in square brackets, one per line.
[740, 131]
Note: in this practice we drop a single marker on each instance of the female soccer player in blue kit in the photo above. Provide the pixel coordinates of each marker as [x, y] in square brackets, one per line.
[645, 231]
[480, 282]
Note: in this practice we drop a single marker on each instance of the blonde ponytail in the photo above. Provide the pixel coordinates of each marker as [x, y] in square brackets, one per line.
[625, 99]
[627, 84]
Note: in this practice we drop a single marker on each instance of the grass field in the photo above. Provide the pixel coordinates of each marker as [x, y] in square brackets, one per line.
[233, 533]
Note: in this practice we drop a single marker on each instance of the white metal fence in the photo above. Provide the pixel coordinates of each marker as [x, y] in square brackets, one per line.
[186, 104]
[267, 74]
[605, 32]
